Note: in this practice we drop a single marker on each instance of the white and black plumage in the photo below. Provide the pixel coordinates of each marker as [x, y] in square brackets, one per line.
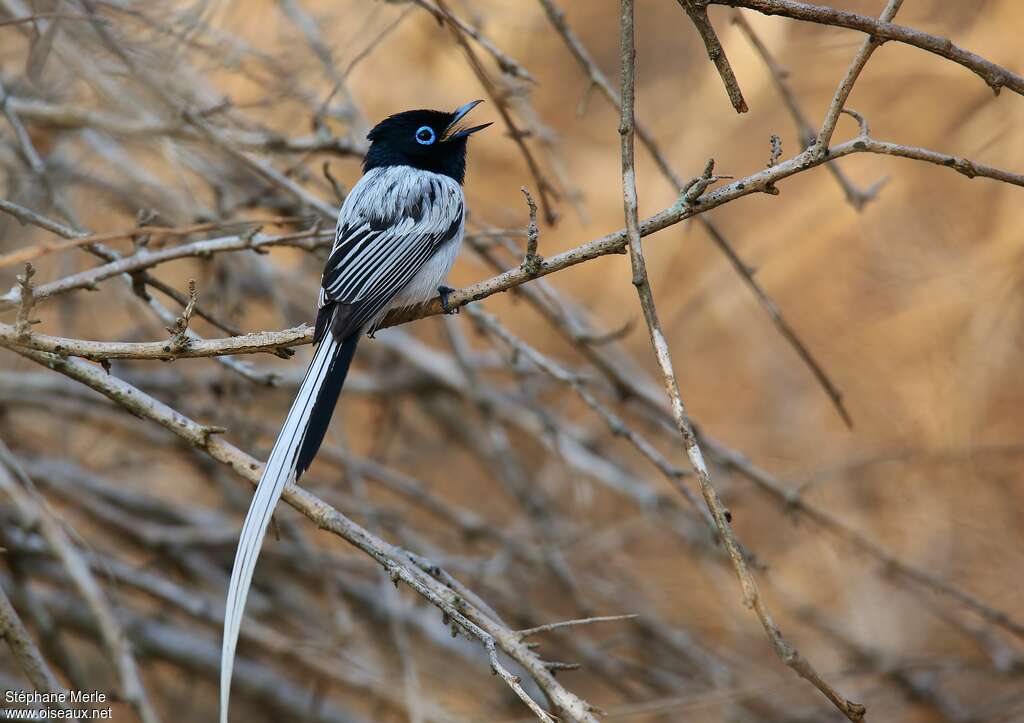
[398, 233]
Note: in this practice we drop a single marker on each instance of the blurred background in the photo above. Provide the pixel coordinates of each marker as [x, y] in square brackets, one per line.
[252, 115]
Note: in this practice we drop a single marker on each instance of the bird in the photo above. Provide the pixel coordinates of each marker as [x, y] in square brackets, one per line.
[398, 233]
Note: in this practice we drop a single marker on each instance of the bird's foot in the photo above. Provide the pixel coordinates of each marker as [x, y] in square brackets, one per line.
[444, 292]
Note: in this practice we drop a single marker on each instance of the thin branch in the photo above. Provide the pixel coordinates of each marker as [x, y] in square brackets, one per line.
[547, 191]
[508, 65]
[729, 459]
[751, 597]
[273, 342]
[43, 16]
[759, 182]
[31, 253]
[994, 75]
[835, 108]
[69, 117]
[780, 322]
[857, 197]
[598, 79]
[25, 652]
[205, 438]
[24, 323]
[35, 513]
[527, 632]
[698, 12]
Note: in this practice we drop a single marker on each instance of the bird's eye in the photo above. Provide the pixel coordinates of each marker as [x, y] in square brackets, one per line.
[425, 135]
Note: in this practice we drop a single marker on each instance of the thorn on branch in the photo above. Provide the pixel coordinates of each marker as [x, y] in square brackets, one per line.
[24, 323]
[690, 194]
[209, 430]
[179, 331]
[144, 217]
[532, 262]
[862, 123]
[249, 236]
[554, 666]
[776, 153]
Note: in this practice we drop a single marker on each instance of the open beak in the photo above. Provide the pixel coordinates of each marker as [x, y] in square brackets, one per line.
[452, 132]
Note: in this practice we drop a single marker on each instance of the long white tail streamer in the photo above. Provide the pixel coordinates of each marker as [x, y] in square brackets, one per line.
[280, 470]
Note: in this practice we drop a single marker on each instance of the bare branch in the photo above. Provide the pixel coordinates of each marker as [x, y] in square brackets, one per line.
[994, 75]
[751, 597]
[698, 12]
[870, 44]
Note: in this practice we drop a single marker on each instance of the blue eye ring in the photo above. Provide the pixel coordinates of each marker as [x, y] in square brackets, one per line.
[425, 135]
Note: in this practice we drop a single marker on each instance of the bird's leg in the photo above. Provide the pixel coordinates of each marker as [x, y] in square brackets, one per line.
[444, 292]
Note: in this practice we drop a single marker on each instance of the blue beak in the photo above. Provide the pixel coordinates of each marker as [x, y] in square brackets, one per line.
[451, 132]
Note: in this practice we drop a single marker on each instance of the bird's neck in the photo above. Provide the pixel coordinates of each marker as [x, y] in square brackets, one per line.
[452, 164]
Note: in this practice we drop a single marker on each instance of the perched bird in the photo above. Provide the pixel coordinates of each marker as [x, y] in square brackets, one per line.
[398, 233]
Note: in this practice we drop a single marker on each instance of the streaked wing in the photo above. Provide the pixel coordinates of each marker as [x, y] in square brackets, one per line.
[392, 223]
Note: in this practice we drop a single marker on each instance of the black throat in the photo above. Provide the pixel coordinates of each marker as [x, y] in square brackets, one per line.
[449, 159]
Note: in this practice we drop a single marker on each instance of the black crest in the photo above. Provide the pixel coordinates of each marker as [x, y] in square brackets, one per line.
[425, 139]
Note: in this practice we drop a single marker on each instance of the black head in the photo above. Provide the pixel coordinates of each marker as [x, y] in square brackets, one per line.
[426, 139]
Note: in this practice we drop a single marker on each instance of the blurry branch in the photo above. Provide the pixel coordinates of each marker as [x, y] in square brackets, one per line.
[783, 326]
[731, 460]
[140, 261]
[35, 514]
[507, 64]
[499, 97]
[24, 649]
[751, 596]
[25, 215]
[698, 12]
[257, 342]
[395, 562]
[994, 75]
[615, 423]
[199, 655]
[68, 117]
[928, 693]
[31, 253]
[35, 17]
[571, 623]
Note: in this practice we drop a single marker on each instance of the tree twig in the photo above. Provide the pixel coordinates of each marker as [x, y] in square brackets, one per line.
[698, 13]
[751, 596]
